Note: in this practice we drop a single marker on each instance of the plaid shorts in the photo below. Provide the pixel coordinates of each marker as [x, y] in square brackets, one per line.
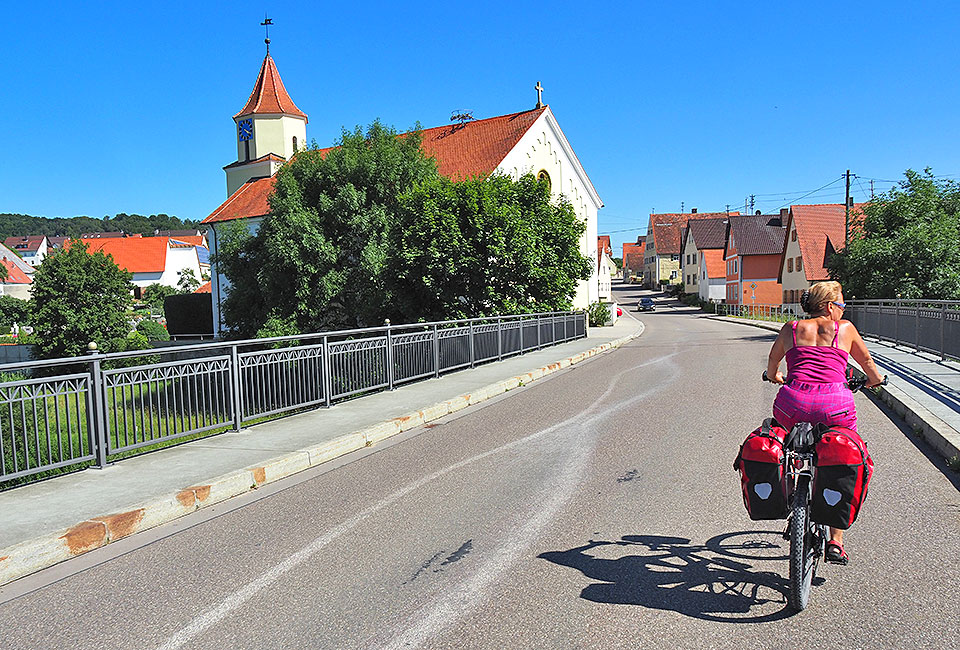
[830, 404]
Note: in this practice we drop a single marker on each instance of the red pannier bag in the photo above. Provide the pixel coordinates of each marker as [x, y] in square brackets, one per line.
[760, 463]
[844, 470]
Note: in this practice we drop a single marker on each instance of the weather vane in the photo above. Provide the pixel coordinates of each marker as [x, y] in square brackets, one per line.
[266, 26]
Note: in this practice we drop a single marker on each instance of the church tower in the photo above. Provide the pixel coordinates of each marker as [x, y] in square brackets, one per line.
[270, 128]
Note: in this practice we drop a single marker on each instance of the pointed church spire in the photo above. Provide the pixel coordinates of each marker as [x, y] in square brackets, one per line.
[269, 95]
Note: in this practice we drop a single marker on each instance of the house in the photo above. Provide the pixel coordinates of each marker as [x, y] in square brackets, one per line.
[703, 270]
[270, 128]
[151, 260]
[31, 249]
[17, 283]
[633, 259]
[752, 251]
[605, 268]
[814, 232]
[664, 232]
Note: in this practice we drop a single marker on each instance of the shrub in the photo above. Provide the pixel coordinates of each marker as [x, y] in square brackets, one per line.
[13, 310]
[153, 330]
[598, 314]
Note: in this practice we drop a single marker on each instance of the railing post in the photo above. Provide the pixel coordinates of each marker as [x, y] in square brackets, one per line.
[896, 324]
[235, 387]
[389, 355]
[436, 352]
[917, 324]
[499, 339]
[521, 335]
[325, 365]
[473, 351]
[538, 331]
[97, 419]
[943, 318]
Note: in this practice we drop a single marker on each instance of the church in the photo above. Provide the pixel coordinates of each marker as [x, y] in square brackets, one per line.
[270, 128]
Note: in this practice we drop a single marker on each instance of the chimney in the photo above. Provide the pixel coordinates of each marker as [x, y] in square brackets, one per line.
[784, 212]
[693, 210]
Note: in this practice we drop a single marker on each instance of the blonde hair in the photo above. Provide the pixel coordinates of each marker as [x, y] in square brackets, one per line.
[816, 297]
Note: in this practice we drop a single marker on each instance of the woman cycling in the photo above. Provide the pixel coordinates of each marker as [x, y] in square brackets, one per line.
[815, 389]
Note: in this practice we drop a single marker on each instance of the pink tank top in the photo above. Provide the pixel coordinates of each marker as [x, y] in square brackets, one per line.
[815, 364]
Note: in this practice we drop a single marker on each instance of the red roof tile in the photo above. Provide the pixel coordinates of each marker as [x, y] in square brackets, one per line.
[760, 234]
[461, 150]
[14, 274]
[815, 225]
[28, 243]
[667, 228]
[193, 240]
[134, 254]
[708, 233]
[204, 288]
[269, 95]
[716, 268]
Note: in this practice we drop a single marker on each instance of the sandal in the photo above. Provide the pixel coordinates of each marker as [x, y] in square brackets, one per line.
[835, 554]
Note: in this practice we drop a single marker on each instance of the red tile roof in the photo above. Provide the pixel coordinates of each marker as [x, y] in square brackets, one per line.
[708, 233]
[760, 234]
[817, 225]
[193, 240]
[267, 156]
[269, 95]
[633, 256]
[603, 244]
[28, 243]
[667, 228]
[716, 267]
[14, 274]
[204, 288]
[461, 150]
[134, 254]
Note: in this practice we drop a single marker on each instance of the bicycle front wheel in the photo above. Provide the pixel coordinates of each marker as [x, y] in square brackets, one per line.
[801, 551]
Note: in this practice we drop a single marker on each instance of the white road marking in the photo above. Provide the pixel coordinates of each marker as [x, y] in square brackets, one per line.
[222, 609]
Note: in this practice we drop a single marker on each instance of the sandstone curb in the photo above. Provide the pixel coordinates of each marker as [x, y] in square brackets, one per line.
[938, 434]
[41, 552]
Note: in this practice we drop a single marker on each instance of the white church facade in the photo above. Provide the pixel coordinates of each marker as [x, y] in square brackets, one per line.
[270, 128]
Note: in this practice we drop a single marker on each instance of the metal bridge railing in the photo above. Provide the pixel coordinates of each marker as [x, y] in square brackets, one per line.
[779, 313]
[925, 325]
[91, 410]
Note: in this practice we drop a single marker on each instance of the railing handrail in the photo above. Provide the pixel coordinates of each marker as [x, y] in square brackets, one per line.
[191, 347]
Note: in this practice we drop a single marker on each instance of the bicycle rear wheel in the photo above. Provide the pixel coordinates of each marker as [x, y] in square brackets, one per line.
[801, 551]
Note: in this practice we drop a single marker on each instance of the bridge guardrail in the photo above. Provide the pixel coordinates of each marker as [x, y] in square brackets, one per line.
[64, 414]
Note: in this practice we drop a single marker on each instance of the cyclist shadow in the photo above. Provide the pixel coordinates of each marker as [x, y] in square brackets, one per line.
[715, 581]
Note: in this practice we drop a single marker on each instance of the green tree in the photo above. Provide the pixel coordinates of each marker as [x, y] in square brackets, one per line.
[188, 282]
[155, 294]
[318, 259]
[483, 246]
[80, 297]
[906, 244]
[153, 330]
[14, 310]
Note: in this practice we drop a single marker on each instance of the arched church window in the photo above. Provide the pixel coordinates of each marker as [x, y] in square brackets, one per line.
[542, 175]
[294, 144]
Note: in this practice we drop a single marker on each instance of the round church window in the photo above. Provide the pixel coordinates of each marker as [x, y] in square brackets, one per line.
[542, 175]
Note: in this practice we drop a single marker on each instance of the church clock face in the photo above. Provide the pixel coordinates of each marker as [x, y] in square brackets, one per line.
[246, 129]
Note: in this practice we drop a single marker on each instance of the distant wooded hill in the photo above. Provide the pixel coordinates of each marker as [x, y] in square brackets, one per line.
[16, 225]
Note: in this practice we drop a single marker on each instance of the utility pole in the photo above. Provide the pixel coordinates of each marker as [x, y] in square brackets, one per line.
[681, 207]
[871, 189]
[728, 208]
[846, 213]
[752, 199]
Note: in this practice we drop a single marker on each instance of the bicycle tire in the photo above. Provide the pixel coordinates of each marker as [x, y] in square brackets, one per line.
[801, 551]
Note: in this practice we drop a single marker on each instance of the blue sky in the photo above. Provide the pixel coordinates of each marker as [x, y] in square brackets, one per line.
[126, 107]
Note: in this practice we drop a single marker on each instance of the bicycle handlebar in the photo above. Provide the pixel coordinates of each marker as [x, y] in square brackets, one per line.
[854, 383]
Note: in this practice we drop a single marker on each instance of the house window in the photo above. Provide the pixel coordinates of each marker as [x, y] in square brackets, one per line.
[790, 265]
[674, 258]
[673, 275]
[799, 263]
[542, 175]
[294, 144]
[793, 235]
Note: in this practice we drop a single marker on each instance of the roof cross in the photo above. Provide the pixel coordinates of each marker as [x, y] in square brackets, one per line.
[266, 26]
[539, 89]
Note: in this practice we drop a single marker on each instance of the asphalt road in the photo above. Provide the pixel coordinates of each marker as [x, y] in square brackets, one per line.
[595, 509]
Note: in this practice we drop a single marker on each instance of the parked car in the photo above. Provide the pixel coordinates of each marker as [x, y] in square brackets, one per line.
[646, 304]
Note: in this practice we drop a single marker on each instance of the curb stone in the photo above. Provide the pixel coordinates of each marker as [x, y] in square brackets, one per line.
[35, 554]
[941, 436]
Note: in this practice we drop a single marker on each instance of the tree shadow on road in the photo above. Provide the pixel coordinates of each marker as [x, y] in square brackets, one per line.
[715, 581]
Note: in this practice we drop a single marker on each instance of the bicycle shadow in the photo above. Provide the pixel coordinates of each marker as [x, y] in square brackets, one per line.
[715, 581]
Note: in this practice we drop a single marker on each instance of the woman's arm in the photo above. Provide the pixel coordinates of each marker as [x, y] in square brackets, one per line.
[777, 352]
[860, 353]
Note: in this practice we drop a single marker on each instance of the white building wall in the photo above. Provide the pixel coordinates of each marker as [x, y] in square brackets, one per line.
[795, 280]
[544, 147]
[691, 270]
